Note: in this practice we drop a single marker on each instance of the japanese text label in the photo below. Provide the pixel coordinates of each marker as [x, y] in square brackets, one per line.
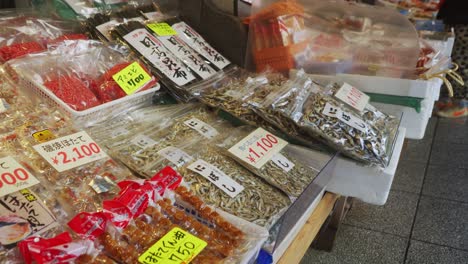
[190, 57]
[353, 97]
[105, 28]
[345, 117]
[132, 78]
[155, 52]
[70, 151]
[217, 177]
[143, 141]
[193, 39]
[23, 214]
[14, 177]
[175, 155]
[201, 127]
[258, 147]
[177, 246]
[282, 162]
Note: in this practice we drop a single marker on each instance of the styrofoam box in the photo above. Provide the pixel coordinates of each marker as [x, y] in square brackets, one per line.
[91, 115]
[370, 184]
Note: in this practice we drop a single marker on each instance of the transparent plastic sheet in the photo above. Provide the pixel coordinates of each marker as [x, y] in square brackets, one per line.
[83, 80]
[26, 34]
[283, 170]
[179, 71]
[126, 238]
[306, 108]
[326, 37]
[140, 152]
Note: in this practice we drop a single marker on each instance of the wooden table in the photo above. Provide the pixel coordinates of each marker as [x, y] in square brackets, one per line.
[309, 231]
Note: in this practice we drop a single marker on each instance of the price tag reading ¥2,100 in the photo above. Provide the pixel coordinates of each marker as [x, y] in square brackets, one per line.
[132, 78]
[70, 151]
[258, 148]
[13, 177]
[162, 29]
[177, 246]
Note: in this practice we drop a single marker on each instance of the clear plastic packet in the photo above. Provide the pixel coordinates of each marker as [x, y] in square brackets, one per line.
[270, 158]
[27, 207]
[174, 58]
[26, 34]
[331, 37]
[86, 79]
[163, 211]
[145, 148]
[331, 114]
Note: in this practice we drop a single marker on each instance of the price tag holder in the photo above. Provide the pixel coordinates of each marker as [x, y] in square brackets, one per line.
[71, 151]
[177, 246]
[14, 177]
[132, 78]
[217, 177]
[177, 156]
[352, 97]
[258, 148]
[201, 127]
[345, 117]
[162, 29]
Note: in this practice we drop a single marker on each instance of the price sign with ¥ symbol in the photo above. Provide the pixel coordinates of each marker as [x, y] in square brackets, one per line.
[70, 151]
[14, 177]
[132, 78]
[258, 148]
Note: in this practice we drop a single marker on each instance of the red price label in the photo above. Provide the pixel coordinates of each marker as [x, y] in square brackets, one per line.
[258, 148]
[71, 151]
[13, 177]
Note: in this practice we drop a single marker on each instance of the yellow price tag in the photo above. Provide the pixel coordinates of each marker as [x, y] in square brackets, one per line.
[43, 136]
[176, 247]
[162, 29]
[131, 78]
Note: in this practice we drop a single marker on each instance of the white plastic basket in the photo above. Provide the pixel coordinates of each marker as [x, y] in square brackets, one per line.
[94, 114]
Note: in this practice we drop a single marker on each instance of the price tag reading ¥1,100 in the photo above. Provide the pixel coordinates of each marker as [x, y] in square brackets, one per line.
[162, 29]
[217, 177]
[132, 78]
[258, 148]
[177, 246]
[353, 97]
[70, 151]
[13, 177]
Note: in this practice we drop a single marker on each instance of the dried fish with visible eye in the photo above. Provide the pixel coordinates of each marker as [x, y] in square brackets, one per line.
[283, 170]
[258, 202]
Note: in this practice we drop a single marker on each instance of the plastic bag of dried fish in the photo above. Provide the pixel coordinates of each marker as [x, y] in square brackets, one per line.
[270, 158]
[307, 109]
[185, 123]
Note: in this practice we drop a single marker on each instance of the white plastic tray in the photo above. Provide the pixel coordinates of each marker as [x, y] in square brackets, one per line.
[91, 115]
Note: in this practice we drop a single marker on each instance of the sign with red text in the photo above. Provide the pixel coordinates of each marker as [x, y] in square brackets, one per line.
[258, 147]
[70, 151]
[14, 177]
[352, 97]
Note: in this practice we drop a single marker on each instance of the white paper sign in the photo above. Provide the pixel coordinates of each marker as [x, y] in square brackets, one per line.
[175, 155]
[143, 141]
[161, 58]
[217, 177]
[353, 97]
[258, 148]
[195, 40]
[119, 132]
[282, 162]
[105, 28]
[201, 127]
[14, 177]
[178, 47]
[345, 117]
[70, 151]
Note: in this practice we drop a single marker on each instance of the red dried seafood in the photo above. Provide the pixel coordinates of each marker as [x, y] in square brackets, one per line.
[19, 49]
